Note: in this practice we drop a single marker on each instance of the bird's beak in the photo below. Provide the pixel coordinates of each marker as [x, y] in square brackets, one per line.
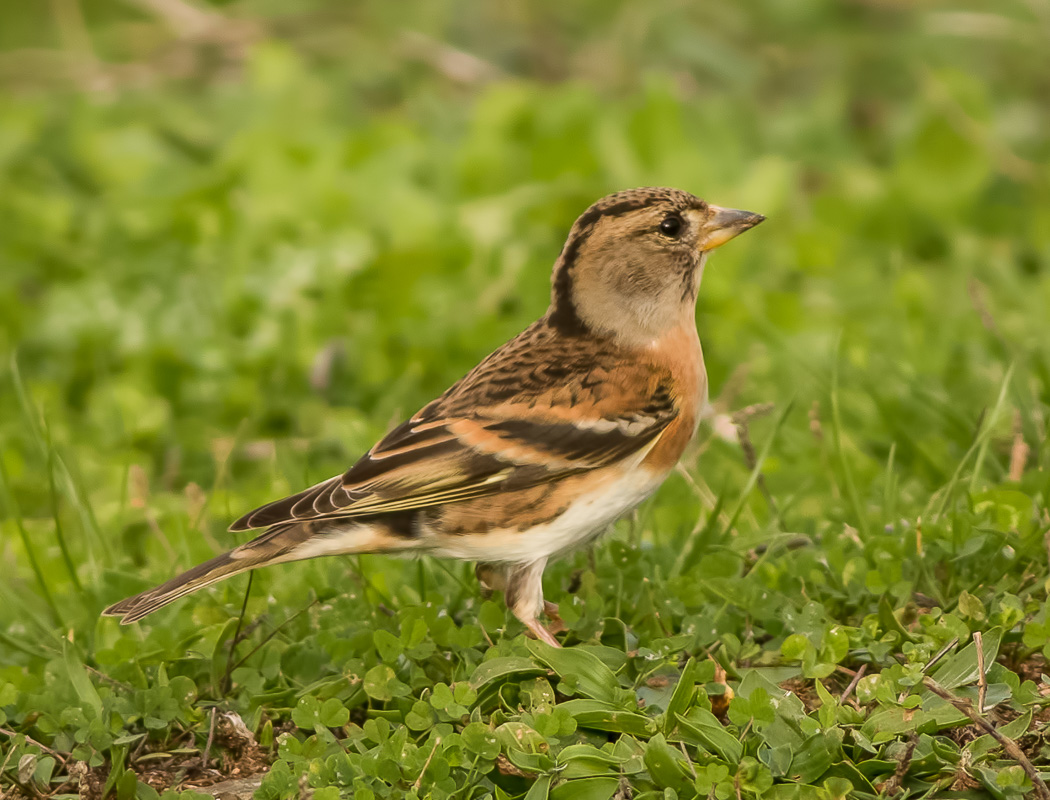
[724, 224]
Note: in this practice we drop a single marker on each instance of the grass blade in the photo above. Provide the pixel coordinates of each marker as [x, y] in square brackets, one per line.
[687, 557]
[15, 513]
[979, 445]
[756, 472]
[840, 454]
[990, 422]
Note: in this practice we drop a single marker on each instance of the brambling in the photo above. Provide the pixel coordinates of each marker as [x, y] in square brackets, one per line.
[544, 443]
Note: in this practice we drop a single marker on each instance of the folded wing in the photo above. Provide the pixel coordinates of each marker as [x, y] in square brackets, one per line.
[525, 416]
[424, 463]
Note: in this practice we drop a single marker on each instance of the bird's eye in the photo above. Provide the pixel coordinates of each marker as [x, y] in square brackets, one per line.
[671, 225]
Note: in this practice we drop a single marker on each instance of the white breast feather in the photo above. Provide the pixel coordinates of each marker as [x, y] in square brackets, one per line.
[587, 517]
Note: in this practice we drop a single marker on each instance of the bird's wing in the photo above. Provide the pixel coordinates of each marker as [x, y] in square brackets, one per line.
[535, 411]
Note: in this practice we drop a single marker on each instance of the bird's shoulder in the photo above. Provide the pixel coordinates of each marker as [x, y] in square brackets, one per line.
[543, 373]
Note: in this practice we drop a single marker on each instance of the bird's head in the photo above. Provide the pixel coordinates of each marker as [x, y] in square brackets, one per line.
[632, 264]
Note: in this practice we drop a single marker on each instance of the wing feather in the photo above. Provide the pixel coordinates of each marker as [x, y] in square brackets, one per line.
[512, 423]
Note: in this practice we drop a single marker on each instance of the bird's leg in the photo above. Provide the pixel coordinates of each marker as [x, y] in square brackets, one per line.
[541, 633]
[524, 594]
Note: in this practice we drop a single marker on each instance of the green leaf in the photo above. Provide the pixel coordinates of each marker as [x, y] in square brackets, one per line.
[420, 718]
[463, 693]
[683, 695]
[333, 714]
[794, 791]
[531, 762]
[387, 645]
[44, 768]
[79, 680]
[971, 606]
[702, 727]
[306, 712]
[814, 758]
[837, 788]
[220, 656]
[377, 682]
[664, 764]
[795, 647]
[846, 770]
[8, 694]
[888, 620]
[481, 740]
[540, 790]
[441, 697]
[593, 679]
[601, 716]
[127, 786]
[1012, 730]
[586, 789]
[755, 708]
[1011, 510]
[517, 736]
[585, 760]
[828, 706]
[492, 616]
[962, 668]
[490, 674]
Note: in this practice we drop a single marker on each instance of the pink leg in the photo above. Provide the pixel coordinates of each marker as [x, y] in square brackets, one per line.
[524, 595]
[541, 633]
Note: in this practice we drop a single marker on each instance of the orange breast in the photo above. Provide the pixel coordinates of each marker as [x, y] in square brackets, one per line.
[679, 351]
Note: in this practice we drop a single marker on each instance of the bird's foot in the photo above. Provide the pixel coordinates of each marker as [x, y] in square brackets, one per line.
[541, 633]
[557, 625]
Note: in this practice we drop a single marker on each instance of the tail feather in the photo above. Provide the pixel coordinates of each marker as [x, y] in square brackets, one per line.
[277, 545]
[212, 571]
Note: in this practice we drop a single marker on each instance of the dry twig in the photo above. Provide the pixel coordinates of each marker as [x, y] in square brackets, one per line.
[211, 738]
[982, 679]
[853, 684]
[35, 743]
[419, 781]
[893, 785]
[1019, 450]
[1008, 744]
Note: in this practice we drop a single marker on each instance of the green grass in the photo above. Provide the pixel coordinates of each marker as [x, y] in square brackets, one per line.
[221, 284]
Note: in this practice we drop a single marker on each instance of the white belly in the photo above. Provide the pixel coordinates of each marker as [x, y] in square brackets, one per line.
[585, 519]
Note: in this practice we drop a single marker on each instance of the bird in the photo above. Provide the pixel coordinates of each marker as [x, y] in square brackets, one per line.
[547, 441]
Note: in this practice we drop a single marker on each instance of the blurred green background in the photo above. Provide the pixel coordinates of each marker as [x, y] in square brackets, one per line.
[239, 240]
